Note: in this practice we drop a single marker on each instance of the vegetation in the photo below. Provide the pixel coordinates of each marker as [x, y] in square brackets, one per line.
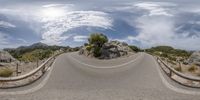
[192, 68]
[134, 48]
[97, 52]
[37, 51]
[169, 52]
[35, 55]
[96, 41]
[178, 69]
[5, 72]
[89, 47]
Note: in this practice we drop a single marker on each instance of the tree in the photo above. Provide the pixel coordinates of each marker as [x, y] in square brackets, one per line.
[134, 48]
[97, 39]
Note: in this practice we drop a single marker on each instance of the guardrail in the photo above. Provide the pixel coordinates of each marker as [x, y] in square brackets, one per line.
[173, 71]
[43, 68]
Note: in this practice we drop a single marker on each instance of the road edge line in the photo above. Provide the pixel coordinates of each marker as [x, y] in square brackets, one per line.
[110, 67]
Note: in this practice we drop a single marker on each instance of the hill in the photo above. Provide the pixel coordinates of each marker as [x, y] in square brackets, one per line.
[169, 52]
[34, 52]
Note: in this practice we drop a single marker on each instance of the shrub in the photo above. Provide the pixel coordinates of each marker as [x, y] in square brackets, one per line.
[5, 72]
[172, 58]
[134, 48]
[97, 39]
[85, 44]
[97, 52]
[192, 68]
[164, 55]
[38, 54]
[89, 47]
[170, 61]
[178, 69]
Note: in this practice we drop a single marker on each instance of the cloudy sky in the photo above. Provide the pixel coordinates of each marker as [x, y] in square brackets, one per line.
[60, 22]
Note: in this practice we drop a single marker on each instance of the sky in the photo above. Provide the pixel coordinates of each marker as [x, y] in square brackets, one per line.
[142, 23]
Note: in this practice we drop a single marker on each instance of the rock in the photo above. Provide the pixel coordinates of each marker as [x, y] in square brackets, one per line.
[84, 51]
[109, 50]
[114, 49]
[6, 57]
[195, 58]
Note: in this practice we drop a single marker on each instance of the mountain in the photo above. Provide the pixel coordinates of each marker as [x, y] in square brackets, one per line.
[22, 51]
[39, 44]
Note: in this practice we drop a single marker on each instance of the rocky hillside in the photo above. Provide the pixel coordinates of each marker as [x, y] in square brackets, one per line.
[99, 47]
[34, 52]
[6, 57]
[195, 58]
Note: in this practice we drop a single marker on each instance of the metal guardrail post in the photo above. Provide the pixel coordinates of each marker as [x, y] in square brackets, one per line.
[17, 67]
[171, 71]
[42, 67]
[180, 65]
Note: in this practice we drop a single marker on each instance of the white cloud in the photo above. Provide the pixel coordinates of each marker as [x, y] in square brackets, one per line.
[154, 8]
[3, 39]
[58, 19]
[22, 40]
[55, 28]
[154, 30]
[80, 38]
[57, 5]
[6, 24]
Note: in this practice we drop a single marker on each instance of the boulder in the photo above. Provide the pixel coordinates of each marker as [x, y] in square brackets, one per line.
[195, 58]
[109, 50]
[114, 49]
[6, 57]
[86, 52]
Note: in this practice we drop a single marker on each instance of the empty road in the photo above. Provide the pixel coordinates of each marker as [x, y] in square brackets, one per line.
[75, 77]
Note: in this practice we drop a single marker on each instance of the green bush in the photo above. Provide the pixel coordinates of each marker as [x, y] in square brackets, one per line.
[85, 44]
[5, 72]
[156, 53]
[97, 39]
[134, 48]
[164, 55]
[89, 47]
[172, 58]
[97, 52]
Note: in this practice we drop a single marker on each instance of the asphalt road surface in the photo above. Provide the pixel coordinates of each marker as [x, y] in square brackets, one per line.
[75, 77]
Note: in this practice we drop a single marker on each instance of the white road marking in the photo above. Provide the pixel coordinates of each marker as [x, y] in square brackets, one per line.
[106, 67]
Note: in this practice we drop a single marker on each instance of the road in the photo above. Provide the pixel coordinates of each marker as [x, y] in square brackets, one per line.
[75, 77]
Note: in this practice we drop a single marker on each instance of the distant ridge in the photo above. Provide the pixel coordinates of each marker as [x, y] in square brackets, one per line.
[20, 51]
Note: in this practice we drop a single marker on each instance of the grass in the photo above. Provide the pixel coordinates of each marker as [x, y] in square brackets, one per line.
[5, 72]
[178, 69]
[172, 62]
[192, 68]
